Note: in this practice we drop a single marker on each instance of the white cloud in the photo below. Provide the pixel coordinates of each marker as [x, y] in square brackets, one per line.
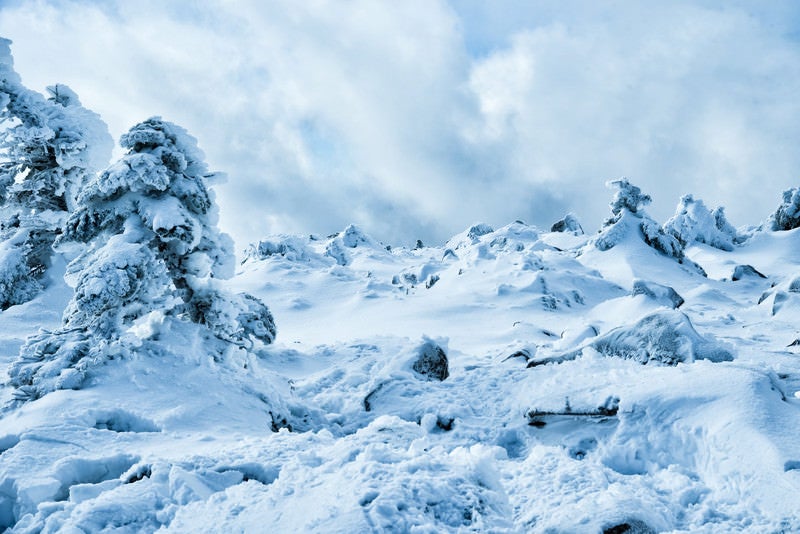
[416, 119]
[687, 100]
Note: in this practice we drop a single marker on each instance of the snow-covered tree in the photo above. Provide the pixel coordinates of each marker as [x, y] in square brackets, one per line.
[628, 198]
[694, 222]
[153, 248]
[628, 215]
[155, 197]
[48, 148]
[787, 216]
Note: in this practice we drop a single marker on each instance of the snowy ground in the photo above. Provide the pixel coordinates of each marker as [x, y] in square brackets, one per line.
[332, 429]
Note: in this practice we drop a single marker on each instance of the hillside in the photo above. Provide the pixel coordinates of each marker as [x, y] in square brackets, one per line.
[510, 380]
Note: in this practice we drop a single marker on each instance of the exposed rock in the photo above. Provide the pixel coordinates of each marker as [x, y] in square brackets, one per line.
[432, 279]
[479, 230]
[745, 271]
[432, 362]
[630, 526]
[568, 224]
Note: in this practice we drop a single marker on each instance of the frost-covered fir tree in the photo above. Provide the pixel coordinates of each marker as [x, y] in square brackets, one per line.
[628, 198]
[628, 215]
[154, 249]
[787, 216]
[694, 222]
[48, 148]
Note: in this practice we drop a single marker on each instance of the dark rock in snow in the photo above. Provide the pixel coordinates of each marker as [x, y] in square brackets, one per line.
[431, 362]
[370, 398]
[745, 271]
[794, 285]
[630, 526]
[445, 424]
[479, 230]
[568, 224]
[778, 302]
[782, 295]
[277, 421]
[449, 254]
[661, 293]
[522, 353]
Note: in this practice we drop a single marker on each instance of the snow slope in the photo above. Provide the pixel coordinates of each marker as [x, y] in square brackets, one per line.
[547, 420]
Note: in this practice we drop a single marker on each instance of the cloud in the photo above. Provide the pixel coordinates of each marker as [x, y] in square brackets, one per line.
[681, 99]
[416, 119]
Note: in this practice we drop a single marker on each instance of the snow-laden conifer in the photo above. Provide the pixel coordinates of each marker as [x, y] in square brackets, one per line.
[148, 224]
[627, 210]
[48, 148]
[694, 222]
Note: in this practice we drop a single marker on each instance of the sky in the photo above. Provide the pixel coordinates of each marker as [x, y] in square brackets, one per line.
[416, 119]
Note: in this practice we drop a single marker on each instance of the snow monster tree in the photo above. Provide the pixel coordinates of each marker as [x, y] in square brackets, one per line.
[787, 216]
[694, 222]
[48, 149]
[628, 215]
[153, 250]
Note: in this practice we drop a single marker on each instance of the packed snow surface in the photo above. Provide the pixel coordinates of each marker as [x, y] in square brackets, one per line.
[512, 380]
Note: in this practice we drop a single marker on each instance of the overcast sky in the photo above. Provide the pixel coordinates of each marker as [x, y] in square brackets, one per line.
[417, 119]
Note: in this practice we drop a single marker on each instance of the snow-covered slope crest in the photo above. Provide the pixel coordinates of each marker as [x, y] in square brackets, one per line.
[427, 390]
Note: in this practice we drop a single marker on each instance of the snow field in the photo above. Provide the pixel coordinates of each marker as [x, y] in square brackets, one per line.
[171, 438]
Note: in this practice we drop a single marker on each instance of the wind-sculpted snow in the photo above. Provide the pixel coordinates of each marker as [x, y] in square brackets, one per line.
[394, 403]
[665, 337]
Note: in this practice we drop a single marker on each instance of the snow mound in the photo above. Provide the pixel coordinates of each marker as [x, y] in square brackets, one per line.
[470, 236]
[288, 248]
[658, 292]
[340, 247]
[666, 337]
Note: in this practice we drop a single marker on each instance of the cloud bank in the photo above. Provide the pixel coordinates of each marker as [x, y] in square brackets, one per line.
[416, 119]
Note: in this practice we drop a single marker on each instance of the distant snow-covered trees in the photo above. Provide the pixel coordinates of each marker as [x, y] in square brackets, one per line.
[787, 216]
[628, 215]
[627, 211]
[628, 198]
[694, 222]
[48, 148]
[148, 224]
